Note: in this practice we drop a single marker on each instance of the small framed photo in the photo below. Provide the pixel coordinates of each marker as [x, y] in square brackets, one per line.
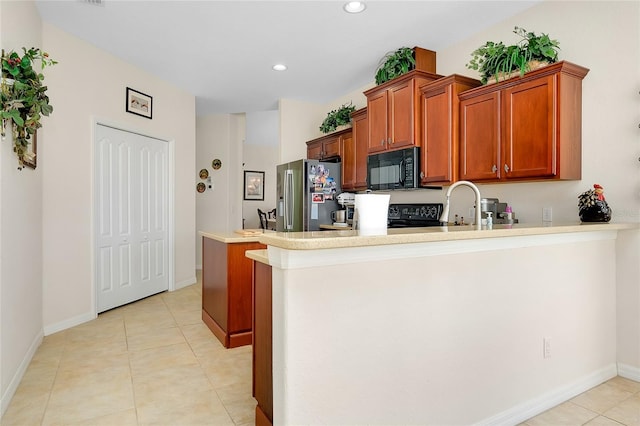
[138, 103]
[253, 185]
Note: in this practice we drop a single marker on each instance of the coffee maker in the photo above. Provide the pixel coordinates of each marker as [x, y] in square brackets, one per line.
[501, 212]
[348, 201]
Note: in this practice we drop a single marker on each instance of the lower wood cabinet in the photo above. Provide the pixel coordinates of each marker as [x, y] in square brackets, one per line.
[262, 344]
[524, 128]
[227, 290]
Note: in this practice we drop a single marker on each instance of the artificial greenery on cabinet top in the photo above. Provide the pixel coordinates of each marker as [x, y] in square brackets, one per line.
[337, 117]
[497, 60]
[395, 64]
[24, 97]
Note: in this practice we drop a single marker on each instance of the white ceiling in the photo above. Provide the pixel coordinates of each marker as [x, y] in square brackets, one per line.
[222, 51]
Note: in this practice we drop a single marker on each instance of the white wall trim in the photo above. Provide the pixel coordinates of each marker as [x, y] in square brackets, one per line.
[296, 259]
[629, 372]
[185, 283]
[17, 377]
[70, 322]
[533, 407]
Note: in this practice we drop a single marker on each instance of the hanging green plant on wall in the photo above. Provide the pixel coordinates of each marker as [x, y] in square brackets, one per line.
[337, 117]
[24, 97]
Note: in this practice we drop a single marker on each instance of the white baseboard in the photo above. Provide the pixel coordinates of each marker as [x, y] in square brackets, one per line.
[629, 372]
[17, 377]
[68, 323]
[533, 407]
[185, 283]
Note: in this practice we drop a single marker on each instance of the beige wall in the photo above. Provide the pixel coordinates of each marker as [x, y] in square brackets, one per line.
[219, 208]
[20, 227]
[87, 85]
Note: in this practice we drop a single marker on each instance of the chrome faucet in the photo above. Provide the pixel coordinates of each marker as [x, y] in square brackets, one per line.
[445, 213]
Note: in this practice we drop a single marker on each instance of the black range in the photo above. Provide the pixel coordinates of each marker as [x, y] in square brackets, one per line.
[414, 215]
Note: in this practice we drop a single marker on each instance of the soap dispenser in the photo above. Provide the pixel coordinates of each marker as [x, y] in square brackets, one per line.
[489, 220]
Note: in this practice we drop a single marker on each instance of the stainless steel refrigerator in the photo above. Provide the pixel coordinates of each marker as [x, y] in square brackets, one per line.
[307, 191]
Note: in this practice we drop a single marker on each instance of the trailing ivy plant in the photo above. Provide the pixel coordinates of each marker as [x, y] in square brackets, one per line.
[394, 64]
[24, 97]
[337, 117]
[498, 60]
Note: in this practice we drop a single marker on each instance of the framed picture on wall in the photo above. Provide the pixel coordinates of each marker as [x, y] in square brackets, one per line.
[253, 185]
[138, 103]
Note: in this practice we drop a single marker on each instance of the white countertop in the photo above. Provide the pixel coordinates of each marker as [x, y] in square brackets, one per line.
[349, 238]
[227, 237]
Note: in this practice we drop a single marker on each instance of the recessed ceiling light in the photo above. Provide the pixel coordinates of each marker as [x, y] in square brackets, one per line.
[354, 6]
[279, 67]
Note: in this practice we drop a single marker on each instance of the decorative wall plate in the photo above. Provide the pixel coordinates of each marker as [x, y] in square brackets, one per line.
[216, 164]
[204, 173]
[200, 187]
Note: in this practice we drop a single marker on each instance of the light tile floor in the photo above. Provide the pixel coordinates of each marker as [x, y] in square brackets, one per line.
[154, 362]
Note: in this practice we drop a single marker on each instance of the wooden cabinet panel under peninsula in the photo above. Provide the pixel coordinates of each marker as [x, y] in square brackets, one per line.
[227, 305]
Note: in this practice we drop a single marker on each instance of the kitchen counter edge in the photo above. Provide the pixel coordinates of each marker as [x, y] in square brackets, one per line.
[233, 237]
[315, 240]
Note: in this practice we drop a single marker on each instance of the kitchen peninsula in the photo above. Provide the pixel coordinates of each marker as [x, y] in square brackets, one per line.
[437, 325]
[226, 285]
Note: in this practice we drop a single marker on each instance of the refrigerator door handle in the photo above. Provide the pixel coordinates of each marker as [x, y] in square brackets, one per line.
[288, 200]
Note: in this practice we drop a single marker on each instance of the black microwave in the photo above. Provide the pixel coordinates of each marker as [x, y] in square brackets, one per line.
[394, 169]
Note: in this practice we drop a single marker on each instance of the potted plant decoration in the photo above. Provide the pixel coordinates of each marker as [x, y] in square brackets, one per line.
[337, 117]
[394, 64]
[496, 61]
[24, 97]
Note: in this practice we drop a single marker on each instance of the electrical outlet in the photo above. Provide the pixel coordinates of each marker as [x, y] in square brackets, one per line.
[547, 214]
[546, 351]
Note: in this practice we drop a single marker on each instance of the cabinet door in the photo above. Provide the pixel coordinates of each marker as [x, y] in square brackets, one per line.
[314, 150]
[438, 150]
[401, 115]
[529, 129]
[348, 163]
[331, 147]
[480, 137]
[377, 113]
[360, 139]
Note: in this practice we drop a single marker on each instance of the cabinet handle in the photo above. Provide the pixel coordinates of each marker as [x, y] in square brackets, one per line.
[382, 142]
[506, 168]
[421, 175]
[494, 168]
[390, 141]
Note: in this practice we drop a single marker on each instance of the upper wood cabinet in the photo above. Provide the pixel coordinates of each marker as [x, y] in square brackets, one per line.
[524, 128]
[393, 110]
[440, 128]
[327, 147]
[354, 153]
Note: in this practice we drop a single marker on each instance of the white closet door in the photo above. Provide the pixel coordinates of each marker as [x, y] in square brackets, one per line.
[131, 217]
